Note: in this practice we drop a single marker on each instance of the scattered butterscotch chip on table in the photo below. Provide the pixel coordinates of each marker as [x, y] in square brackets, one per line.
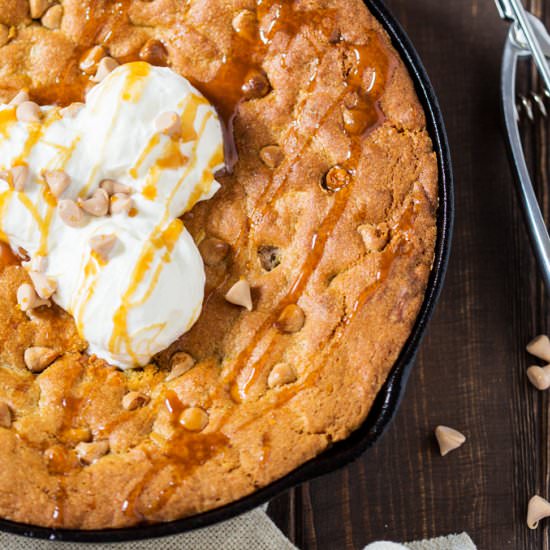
[448, 439]
[539, 376]
[540, 347]
[537, 509]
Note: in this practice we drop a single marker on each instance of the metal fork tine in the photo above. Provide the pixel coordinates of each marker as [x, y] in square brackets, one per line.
[527, 107]
[537, 98]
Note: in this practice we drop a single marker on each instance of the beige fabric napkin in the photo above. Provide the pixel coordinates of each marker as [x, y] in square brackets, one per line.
[450, 542]
[254, 531]
[251, 531]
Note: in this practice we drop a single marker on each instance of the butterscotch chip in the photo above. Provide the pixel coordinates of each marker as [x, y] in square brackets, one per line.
[20, 97]
[26, 295]
[336, 178]
[239, 294]
[540, 347]
[194, 419]
[72, 110]
[105, 67]
[97, 204]
[270, 257]
[38, 7]
[245, 24]
[20, 177]
[112, 186]
[291, 319]
[5, 415]
[38, 358]
[103, 245]
[281, 374]
[181, 362]
[70, 213]
[28, 111]
[37, 263]
[539, 377]
[28, 299]
[448, 439]
[537, 509]
[52, 18]
[89, 61]
[4, 35]
[256, 85]
[57, 181]
[213, 250]
[374, 237]
[78, 435]
[355, 121]
[88, 453]
[272, 155]
[154, 52]
[169, 124]
[120, 203]
[45, 286]
[134, 400]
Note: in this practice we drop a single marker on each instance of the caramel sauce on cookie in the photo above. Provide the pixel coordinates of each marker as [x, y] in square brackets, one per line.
[181, 455]
[363, 59]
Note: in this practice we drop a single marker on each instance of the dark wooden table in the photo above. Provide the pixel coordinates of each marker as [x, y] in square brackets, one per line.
[470, 372]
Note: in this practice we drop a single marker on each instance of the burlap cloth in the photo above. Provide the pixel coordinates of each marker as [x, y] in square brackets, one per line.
[251, 531]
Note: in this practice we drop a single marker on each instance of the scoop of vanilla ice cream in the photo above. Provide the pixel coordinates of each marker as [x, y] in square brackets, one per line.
[149, 290]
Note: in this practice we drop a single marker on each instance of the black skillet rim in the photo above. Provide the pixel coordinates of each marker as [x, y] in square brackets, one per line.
[388, 399]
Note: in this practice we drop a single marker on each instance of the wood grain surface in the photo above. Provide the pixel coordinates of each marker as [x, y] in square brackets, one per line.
[470, 372]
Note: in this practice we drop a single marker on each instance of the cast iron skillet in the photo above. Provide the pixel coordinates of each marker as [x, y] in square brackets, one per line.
[390, 395]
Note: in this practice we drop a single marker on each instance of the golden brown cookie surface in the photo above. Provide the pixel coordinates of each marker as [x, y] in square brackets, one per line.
[328, 214]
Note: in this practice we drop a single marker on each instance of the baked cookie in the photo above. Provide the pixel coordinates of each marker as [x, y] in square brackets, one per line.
[326, 212]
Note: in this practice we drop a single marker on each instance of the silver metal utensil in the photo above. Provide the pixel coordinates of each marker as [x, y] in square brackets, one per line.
[527, 37]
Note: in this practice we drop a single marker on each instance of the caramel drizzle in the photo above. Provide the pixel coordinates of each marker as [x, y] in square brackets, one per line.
[36, 131]
[7, 120]
[5, 198]
[136, 81]
[172, 156]
[161, 237]
[183, 453]
[313, 258]
[153, 142]
[327, 347]
[275, 188]
[90, 272]
[59, 499]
